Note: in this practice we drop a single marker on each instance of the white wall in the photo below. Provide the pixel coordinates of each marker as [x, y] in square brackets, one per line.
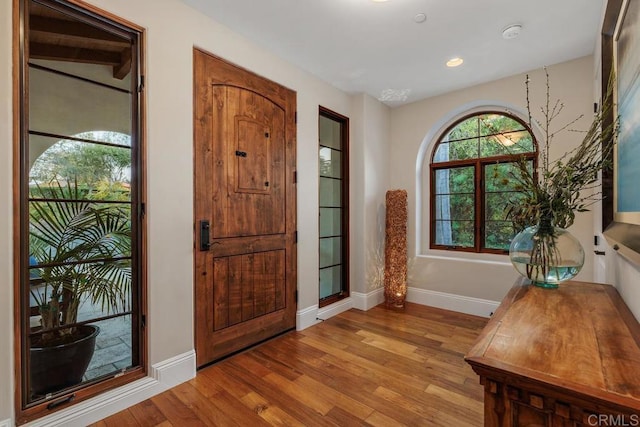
[417, 125]
[173, 29]
[368, 183]
[376, 158]
[6, 214]
[627, 280]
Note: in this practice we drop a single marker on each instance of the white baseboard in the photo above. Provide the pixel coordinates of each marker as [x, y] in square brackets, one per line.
[175, 370]
[162, 376]
[312, 315]
[307, 317]
[459, 303]
[5, 423]
[335, 308]
[361, 301]
[367, 301]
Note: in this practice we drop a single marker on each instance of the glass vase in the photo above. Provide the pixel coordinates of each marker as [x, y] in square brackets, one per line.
[546, 255]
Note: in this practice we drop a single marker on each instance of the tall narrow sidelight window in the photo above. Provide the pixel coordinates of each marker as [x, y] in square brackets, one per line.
[334, 207]
[79, 205]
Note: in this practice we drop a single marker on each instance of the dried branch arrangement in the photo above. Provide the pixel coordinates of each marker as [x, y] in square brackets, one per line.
[560, 188]
[395, 260]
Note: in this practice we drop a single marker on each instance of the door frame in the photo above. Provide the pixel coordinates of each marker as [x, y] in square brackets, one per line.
[230, 74]
[344, 217]
[25, 412]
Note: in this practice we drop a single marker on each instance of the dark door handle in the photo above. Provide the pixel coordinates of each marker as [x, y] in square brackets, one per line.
[205, 245]
[599, 252]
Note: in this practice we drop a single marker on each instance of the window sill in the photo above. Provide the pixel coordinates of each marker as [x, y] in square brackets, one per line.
[474, 257]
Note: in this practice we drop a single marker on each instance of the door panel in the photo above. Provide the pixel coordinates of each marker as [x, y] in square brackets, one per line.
[244, 187]
[250, 136]
[247, 286]
[252, 172]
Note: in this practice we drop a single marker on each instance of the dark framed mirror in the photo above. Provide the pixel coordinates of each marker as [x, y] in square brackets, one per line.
[621, 202]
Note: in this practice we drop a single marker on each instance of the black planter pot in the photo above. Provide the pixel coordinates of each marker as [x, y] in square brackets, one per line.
[58, 367]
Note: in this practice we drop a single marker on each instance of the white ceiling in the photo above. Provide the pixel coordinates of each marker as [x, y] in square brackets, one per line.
[377, 48]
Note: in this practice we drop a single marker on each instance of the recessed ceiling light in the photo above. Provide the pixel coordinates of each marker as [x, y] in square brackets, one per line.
[454, 62]
[420, 18]
[512, 31]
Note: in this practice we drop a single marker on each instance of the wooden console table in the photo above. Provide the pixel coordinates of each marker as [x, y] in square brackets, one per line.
[563, 357]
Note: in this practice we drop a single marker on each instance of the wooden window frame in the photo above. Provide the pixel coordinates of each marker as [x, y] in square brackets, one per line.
[479, 164]
[24, 410]
[344, 165]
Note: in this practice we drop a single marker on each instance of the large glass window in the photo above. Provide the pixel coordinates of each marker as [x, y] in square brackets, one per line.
[334, 212]
[81, 206]
[472, 178]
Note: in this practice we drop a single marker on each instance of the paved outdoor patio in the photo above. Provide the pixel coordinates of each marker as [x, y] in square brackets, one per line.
[113, 343]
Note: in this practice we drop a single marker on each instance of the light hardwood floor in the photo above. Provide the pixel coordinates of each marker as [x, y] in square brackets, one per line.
[381, 367]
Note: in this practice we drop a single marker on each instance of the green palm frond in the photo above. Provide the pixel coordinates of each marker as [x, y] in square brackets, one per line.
[83, 248]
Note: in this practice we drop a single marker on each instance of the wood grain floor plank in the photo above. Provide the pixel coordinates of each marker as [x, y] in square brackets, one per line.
[452, 396]
[423, 408]
[361, 390]
[421, 411]
[122, 419]
[377, 368]
[381, 374]
[307, 397]
[203, 408]
[378, 419]
[340, 400]
[223, 380]
[176, 411]
[451, 413]
[278, 361]
[412, 333]
[391, 345]
[213, 388]
[344, 418]
[304, 414]
[147, 414]
[237, 410]
[271, 414]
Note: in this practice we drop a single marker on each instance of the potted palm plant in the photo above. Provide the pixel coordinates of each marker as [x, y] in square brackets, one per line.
[82, 251]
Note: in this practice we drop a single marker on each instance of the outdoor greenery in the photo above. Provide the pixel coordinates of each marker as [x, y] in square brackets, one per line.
[83, 252]
[500, 192]
[80, 236]
[103, 170]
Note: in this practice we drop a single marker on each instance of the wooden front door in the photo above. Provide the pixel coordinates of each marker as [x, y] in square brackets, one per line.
[245, 208]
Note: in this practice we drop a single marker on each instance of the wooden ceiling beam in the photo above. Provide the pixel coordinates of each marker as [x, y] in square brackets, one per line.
[74, 41]
[72, 54]
[121, 70]
[74, 31]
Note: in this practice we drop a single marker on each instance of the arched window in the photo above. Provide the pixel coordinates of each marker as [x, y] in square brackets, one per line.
[471, 167]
